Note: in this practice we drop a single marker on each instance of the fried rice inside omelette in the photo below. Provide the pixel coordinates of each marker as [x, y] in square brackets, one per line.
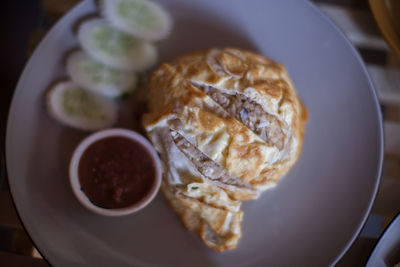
[228, 125]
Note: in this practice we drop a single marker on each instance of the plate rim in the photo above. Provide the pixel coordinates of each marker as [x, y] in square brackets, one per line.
[378, 174]
[26, 67]
[395, 219]
[315, 8]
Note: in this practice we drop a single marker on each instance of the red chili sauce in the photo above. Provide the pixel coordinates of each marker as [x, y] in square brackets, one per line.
[116, 172]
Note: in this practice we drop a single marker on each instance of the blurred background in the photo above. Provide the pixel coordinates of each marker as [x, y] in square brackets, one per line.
[24, 23]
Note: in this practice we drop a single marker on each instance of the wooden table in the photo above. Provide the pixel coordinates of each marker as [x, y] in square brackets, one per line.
[25, 22]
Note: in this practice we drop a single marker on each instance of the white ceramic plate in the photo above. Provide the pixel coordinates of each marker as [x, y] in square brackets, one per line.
[387, 250]
[309, 219]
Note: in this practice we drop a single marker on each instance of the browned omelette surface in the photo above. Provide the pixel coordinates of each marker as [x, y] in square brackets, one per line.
[228, 125]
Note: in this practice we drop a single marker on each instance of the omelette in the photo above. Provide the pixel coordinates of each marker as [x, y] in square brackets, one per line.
[228, 125]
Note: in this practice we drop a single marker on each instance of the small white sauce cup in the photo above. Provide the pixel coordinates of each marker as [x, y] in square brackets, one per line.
[115, 132]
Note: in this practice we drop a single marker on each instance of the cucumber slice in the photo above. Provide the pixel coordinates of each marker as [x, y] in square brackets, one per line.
[79, 108]
[115, 48]
[99, 78]
[141, 18]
